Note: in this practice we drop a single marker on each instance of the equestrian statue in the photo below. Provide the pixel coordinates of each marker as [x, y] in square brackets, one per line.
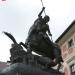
[24, 62]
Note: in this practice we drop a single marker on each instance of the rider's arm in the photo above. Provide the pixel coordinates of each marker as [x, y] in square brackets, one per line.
[39, 15]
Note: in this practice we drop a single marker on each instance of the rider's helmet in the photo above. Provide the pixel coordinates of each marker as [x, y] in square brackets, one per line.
[46, 18]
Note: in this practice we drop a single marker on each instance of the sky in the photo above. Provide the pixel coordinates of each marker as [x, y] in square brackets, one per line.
[16, 17]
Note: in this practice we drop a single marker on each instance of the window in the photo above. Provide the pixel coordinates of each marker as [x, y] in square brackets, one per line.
[70, 43]
[72, 67]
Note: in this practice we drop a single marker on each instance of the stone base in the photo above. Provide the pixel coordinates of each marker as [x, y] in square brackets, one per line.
[23, 69]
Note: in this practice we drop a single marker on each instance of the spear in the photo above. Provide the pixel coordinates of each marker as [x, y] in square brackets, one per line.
[43, 6]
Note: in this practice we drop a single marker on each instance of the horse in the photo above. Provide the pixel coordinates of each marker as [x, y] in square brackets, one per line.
[41, 44]
[20, 68]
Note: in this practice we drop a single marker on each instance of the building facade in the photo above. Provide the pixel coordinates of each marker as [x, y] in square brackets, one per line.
[67, 44]
[3, 65]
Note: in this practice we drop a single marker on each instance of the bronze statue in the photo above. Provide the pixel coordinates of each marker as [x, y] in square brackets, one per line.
[39, 41]
[26, 63]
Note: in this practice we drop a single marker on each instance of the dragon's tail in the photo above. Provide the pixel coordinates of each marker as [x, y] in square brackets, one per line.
[10, 36]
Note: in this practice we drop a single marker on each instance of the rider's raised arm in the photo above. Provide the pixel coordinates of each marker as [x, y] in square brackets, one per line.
[39, 15]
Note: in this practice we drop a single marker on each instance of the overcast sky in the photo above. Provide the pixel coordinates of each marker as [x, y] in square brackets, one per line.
[16, 17]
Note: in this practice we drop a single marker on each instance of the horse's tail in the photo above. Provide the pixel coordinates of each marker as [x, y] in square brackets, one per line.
[10, 36]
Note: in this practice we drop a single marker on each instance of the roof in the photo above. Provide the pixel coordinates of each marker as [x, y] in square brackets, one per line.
[60, 37]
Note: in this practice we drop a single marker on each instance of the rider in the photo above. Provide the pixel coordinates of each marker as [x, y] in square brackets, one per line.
[40, 26]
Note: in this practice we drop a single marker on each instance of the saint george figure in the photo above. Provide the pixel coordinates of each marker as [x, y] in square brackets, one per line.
[39, 27]
[39, 41]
